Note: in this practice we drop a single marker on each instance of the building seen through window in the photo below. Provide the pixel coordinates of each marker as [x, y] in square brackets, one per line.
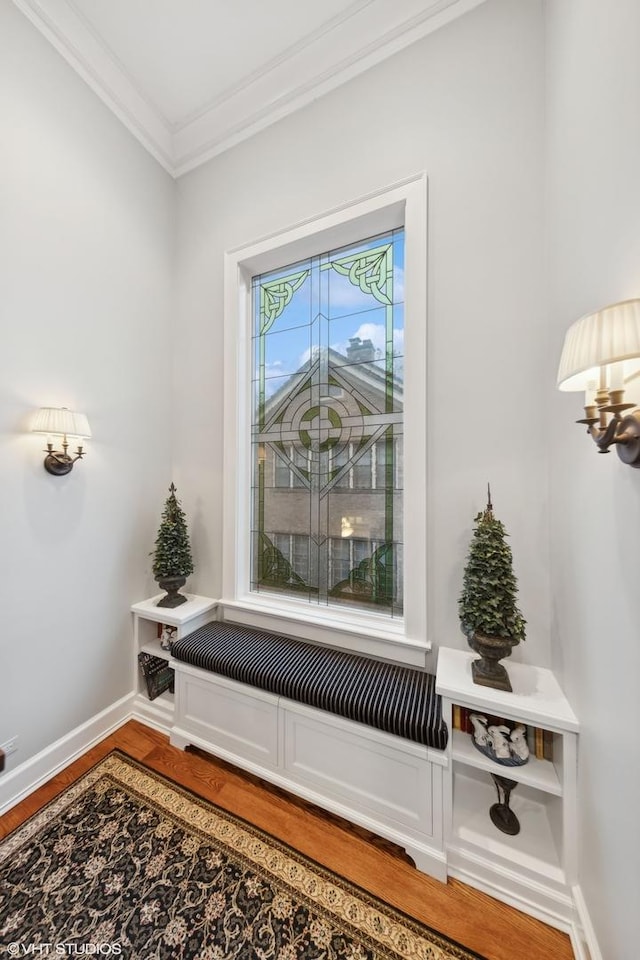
[327, 423]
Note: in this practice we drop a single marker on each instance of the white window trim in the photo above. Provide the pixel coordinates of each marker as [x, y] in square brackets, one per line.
[401, 639]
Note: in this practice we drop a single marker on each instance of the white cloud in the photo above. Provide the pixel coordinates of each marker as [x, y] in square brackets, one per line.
[273, 371]
[376, 333]
[305, 357]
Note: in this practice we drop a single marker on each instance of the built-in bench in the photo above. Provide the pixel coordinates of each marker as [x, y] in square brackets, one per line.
[361, 737]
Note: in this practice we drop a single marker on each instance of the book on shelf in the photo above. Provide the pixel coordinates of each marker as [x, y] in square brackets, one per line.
[158, 675]
[456, 717]
[460, 718]
[531, 740]
[540, 743]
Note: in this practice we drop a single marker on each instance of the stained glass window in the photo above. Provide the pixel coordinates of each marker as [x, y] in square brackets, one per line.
[328, 337]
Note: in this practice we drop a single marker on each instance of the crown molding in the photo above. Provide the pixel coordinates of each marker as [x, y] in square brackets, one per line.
[368, 32]
[83, 50]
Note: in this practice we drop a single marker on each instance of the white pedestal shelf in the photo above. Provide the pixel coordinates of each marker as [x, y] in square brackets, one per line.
[536, 869]
[147, 616]
[536, 698]
[186, 613]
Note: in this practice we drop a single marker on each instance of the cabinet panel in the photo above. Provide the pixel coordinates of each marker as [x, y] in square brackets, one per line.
[388, 785]
[244, 725]
[359, 771]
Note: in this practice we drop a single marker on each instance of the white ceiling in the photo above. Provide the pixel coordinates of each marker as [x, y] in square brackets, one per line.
[190, 78]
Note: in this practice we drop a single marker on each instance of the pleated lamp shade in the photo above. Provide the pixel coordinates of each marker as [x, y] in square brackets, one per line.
[612, 335]
[58, 421]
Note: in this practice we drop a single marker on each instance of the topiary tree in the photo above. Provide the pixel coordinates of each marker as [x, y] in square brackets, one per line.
[487, 605]
[172, 554]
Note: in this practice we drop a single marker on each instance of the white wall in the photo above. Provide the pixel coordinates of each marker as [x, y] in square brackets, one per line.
[86, 247]
[593, 105]
[466, 105]
[86, 261]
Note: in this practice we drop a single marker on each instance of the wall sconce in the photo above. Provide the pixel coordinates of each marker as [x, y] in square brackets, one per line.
[601, 352]
[60, 422]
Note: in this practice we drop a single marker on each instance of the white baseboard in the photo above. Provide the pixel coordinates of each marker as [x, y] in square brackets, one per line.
[583, 936]
[553, 906]
[579, 927]
[19, 783]
[155, 713]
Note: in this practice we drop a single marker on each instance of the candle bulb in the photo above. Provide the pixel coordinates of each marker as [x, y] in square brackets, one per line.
[589, 394]
[616, 375]
[602, 385]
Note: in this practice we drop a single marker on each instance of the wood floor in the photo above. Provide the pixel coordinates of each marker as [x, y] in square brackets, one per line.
[485, 925]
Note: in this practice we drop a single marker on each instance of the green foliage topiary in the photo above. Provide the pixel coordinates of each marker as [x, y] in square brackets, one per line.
[487, 604]
[172, 555]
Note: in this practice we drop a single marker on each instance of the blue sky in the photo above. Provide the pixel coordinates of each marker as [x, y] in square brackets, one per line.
[351, 313]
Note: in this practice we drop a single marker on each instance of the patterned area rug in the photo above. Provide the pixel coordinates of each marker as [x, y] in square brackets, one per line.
[126, 863]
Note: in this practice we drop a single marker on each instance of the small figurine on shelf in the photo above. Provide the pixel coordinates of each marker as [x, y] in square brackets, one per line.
[499, 741]
[480, 733]
[167, 637]
[519, 745]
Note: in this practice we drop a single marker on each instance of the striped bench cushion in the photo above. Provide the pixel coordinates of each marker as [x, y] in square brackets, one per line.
[396, 699]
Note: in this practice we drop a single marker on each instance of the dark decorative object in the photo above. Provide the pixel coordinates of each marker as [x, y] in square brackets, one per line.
[157, 673]
[502, 816]
[172, 561]
[125, 857]
[172, 586]
[487, 606]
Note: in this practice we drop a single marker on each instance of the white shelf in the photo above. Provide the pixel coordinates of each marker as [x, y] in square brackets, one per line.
[174, 616]
[540, 774]
[533, 849]
[536, 869]
[189, 616]
[536, 697]
[155, 649]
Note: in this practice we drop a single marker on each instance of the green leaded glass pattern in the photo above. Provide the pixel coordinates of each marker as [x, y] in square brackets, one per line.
[327, 435]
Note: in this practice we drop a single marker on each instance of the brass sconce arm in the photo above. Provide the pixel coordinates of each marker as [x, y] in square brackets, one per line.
[621, 431]
[60, 463]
